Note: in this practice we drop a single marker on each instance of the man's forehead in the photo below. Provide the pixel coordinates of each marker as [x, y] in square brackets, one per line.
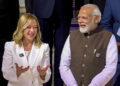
[86, 11]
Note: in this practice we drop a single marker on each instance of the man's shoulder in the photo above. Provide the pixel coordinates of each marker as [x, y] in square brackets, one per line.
[104, 31]
[75, 32]
[104, 34]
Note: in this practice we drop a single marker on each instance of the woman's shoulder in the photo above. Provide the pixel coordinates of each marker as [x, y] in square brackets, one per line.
[44, 45]
[9, 44]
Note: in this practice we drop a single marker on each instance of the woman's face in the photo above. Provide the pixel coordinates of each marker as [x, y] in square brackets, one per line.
[31, 31]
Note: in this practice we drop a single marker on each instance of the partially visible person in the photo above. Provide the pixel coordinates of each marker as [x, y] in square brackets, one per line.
[29, 6]
[89, 57]
[9, 15]
[55, 19]
[111, 22]
[99, 3]
[26, 59]
[78, 4]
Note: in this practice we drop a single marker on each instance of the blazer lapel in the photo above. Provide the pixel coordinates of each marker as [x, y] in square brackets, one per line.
[33, 55]
[21, 57]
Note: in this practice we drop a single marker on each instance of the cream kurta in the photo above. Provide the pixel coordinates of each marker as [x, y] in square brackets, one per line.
[14, 54]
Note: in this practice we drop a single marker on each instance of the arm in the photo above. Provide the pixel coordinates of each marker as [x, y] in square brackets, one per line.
[107, 17]
[64, 68]
[8, 68]
[45, 66]
[108, 72]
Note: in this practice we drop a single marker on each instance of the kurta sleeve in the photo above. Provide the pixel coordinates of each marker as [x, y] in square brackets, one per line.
[65, 71]
[109, 70]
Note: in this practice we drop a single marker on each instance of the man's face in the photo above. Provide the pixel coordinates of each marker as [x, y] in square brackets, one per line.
[85, 20]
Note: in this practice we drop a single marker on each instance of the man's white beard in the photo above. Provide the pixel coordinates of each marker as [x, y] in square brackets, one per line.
[87, 28]
[84, 30]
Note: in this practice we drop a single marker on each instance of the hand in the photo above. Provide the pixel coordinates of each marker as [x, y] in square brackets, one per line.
[20, 70]
[42, 71]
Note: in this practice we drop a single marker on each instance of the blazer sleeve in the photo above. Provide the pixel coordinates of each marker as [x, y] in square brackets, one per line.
[46, 62]
[107, 17]
[8, 67]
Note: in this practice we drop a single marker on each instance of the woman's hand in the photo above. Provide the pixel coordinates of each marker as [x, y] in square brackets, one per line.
[20, 70]
[42, 71]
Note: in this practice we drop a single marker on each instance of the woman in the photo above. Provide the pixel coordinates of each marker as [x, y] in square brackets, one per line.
[26, 59]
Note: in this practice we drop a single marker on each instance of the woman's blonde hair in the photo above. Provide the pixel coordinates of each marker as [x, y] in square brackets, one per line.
[23, 23]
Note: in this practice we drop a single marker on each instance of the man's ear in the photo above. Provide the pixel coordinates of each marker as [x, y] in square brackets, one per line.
[97, 19]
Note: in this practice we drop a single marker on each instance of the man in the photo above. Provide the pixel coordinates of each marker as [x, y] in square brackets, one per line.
[89, 57]
[111, 22]
[9, 14]
[55, 19]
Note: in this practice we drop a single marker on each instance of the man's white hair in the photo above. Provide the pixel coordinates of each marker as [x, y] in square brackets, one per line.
[96, 11]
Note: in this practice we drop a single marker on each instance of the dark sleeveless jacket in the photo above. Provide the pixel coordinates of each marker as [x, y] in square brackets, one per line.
[88, 53]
